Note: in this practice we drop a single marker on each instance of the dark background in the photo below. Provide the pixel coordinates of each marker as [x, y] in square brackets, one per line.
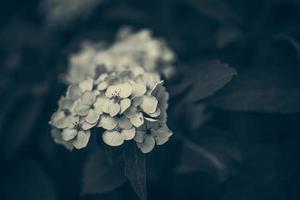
[241, 143]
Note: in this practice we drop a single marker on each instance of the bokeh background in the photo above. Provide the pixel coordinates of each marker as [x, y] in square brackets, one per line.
[242, 143]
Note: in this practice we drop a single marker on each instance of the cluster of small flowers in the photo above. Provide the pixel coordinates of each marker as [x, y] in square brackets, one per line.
[128, 105]
[130, 49]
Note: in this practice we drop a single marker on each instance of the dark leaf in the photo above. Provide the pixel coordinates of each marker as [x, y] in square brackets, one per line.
[25, 115]
[100, 175]
[217, 156]
[261, 91]
[135, 169]
[27, 180]
[207, 78]
[292, 41]
[216, 9]
[261, 176]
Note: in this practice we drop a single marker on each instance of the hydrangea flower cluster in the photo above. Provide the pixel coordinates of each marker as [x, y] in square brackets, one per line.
[150, 53]
[127, 105]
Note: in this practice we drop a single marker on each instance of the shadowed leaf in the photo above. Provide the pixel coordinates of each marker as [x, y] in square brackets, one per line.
[207, 78]
[135, 169]
[101, 175]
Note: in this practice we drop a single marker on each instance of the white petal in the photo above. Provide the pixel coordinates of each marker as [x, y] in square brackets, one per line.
[139, 136]
[71, 120]
[102, 86]
[86, 126]
[131, 112]
[150, 119]
[68, 134]
[88, 98]
[113, 109]
[74, 92]
[138, 89]
[58, 120]
[156, 113]
[86, 85]
[149, 104]
[128, 134]
[161, 140]
[82, 139]
[124, 104]
[112, 91]
[108, 122]
[137, 120]
[56, 135]
[66, 104]
[92, 116]
[124, 123]
[112, 138]
[82, 110]
[147, 145]
[125, 90]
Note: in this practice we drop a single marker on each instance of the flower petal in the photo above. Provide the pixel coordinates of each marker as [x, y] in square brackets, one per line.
[86, 85]
[102, 86]
[71, 120]
[124, 105]
[56, 135]
[66, 104]
[112, 138]
[125, 90]
[88, 98]
[113, 109]
[138, 89]
[82, 110]
[108, 122]
[86, 126]
[92, 117]
[68, 134]
[82, 139]
[137, 120]
[147, 145]
[139, 136]
[128, 134]
[149, 104]
[58, 120]
[112, 91]
[156, 113]
[74, 92]
[124, 123]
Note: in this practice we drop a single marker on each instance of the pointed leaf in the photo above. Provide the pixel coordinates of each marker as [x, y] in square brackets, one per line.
[135, 169]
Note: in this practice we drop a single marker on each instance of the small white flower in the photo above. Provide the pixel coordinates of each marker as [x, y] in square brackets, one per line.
[151, 134]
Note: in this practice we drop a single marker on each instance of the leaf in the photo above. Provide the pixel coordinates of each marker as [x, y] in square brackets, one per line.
[208, 78]
[261, 91]
[135, 169]
[295, 44]
[263, 176]
[215, 155]
[25, 115]
[216, 9]
[101, 175]
[27, 180]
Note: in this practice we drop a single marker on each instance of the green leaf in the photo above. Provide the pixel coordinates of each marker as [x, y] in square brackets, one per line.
[100, 174]
[135, 169]
[207, 78]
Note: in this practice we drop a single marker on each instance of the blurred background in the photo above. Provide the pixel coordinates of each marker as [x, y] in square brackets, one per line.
[240, 143]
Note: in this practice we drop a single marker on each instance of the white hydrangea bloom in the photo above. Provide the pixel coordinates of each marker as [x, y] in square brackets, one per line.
[130, 49]
[129, 105]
